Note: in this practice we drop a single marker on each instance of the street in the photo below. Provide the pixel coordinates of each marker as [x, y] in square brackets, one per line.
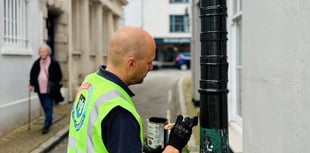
[155, 97]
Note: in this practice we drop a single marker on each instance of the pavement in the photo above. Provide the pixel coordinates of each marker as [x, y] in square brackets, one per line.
[25, 140]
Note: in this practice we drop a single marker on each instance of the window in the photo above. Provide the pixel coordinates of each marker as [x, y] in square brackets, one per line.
[237, 52]
[178, 1]
[15, 38]
[235, 68]
[179, 23]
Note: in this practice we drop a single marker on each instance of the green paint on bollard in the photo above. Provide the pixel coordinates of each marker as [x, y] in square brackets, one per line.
[213, 141]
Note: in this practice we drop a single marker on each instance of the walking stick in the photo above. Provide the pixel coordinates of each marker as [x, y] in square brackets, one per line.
[29, 109]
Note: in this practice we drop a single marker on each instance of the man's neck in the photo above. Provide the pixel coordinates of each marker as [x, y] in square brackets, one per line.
[118, 72]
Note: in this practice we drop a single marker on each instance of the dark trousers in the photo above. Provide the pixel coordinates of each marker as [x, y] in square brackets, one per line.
[47, 105]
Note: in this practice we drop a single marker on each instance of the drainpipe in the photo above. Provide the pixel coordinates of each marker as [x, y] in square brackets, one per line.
[213, 84]
[70, 53]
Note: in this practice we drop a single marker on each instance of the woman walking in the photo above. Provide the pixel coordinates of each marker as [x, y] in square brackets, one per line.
[45, 74]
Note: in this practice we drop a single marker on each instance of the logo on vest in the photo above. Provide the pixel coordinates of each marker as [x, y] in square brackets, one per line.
[80, 108]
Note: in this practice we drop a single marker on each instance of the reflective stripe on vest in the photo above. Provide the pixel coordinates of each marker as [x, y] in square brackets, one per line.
[96, 94]
[92, 119]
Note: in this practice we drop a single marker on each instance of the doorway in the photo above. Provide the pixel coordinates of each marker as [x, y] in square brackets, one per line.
[50, 25]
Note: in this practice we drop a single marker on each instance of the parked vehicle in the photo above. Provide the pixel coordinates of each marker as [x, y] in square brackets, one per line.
[183, 60]
[156, 65]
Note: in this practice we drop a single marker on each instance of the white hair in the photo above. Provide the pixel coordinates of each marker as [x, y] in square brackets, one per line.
[46, 46]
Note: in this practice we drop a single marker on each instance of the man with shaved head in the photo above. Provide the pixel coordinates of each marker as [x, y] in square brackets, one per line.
[103, 117]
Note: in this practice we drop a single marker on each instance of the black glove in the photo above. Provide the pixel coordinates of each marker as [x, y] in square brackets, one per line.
[181, 132]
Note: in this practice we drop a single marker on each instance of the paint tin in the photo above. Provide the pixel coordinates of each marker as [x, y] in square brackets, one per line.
[156, 134]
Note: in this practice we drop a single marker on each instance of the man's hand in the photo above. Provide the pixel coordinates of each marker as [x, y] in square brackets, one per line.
[181, 132]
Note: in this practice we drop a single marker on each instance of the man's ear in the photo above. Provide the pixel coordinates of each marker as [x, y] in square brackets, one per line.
[131, 61]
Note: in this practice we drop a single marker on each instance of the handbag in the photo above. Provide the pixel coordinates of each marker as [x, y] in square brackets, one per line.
[53, 90]
[52, 87]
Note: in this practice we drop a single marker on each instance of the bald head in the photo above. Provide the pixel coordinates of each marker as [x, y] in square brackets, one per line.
[130, 41]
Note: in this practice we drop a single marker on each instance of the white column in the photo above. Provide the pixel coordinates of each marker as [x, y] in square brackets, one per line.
[72, 74]
[84, 37]
[99, 27]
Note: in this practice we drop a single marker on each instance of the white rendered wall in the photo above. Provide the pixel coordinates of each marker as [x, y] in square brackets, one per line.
[156, 17]
[133, 13]
[14, 70]
[276, 76]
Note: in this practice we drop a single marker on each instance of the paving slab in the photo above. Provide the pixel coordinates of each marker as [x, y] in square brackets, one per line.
[23, 140]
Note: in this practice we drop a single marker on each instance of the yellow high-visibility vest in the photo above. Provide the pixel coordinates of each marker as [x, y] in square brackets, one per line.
[96, 97]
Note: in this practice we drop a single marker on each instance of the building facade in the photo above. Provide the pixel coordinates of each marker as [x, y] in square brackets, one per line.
[268, 94]
[275, 89]
[18, 50]
[78, 32]
[234, 103]
[168, 21]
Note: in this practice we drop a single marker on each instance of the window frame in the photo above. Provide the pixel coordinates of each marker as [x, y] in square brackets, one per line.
[236, 21]
[178, 1]
[173, 24]
[14, 32]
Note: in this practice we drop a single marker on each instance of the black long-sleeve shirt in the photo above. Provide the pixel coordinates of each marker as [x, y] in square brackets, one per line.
[120, 129]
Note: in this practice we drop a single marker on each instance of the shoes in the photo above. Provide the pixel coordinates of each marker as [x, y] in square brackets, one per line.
[45, 130]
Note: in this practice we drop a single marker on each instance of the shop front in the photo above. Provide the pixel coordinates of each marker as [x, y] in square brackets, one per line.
[168, 48]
